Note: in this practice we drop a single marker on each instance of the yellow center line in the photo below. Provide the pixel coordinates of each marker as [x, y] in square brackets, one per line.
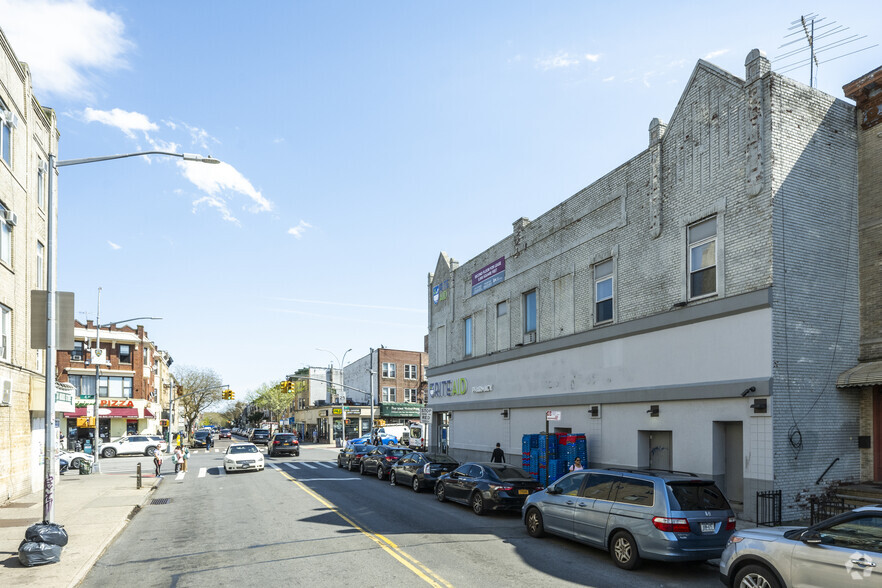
[385, 544]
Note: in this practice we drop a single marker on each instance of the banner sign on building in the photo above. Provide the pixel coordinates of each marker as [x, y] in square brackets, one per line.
[400, 409]
[488, 276]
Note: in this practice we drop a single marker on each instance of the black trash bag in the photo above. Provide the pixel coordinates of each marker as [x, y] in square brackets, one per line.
[35, 553]
[51, 533]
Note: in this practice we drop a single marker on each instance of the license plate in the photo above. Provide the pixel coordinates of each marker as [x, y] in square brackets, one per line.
[247, 463]
[286, 444]
[707, 527]
[523, 491]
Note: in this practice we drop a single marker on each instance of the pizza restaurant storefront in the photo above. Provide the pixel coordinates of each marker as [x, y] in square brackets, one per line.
[117, 417]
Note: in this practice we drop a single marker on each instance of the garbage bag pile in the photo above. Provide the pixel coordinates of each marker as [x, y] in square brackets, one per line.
[42, 544]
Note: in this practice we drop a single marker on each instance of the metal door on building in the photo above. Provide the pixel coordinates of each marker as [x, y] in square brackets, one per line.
[660, 450]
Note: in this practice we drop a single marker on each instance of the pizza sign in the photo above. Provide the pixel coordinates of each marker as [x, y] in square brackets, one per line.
[122, 403]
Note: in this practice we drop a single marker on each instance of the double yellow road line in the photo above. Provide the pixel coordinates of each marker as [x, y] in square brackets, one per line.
[385, 544]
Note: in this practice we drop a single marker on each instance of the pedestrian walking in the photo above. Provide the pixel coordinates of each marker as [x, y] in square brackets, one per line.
[186, 459]
[498, 455]
[315, 435]
[178, 458]
[157, 462]
[577, 465]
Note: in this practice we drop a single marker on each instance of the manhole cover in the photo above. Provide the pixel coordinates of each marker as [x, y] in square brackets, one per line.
[160, 501]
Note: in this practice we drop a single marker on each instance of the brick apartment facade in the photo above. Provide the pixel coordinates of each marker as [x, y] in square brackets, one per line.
[689, 310]
[28, 134]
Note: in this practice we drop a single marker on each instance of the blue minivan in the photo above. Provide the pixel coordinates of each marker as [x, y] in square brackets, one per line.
[635, 514]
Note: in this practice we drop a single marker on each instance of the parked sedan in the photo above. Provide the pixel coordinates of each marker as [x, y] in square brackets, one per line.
[381, 460]
[486, 486]
[134, 444]
[846, 549]
[283, 443]
[421, 470]
[243, 456]
[350, 456]
[75, 458]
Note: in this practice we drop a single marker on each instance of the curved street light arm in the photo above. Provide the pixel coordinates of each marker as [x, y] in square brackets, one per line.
[185, 156]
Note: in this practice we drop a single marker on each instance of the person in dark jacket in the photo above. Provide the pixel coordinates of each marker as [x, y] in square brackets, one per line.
[498, 455]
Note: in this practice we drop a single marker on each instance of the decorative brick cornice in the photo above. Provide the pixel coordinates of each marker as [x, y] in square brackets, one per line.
[866, 91]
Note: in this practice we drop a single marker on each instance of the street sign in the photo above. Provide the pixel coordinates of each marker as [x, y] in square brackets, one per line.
[426, 415]
[90, 410]
[552, 415]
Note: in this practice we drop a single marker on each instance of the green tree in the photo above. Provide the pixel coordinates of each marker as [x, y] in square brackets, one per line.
[232, 413]
[271, 398]
[200, 389]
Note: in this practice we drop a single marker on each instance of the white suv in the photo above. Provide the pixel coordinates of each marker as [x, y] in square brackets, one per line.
[134, 444]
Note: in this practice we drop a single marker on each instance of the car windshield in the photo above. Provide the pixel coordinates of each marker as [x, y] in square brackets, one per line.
[201, 434]
[244, 449]
[441, 459]
[225, 430]
[700, 495]
[508, 473]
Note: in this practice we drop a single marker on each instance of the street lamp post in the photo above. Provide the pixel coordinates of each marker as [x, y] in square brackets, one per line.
[49, 462]
[342, 385]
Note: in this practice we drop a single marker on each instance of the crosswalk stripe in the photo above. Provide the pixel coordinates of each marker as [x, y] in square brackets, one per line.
[180, 476]
[290, 465]
[272, 465]
[202, 472]
[325, 464]
[216, 449]
[309, 465]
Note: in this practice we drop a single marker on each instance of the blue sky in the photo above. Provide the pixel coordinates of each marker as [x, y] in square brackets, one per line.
[358, 140]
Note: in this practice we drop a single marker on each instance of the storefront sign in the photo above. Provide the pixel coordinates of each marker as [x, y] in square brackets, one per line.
[440, 291]
[352, 410]
[106, 402]
[479, 389]
[455, 387]
[488, 276]
[337, 411]
[400, 409]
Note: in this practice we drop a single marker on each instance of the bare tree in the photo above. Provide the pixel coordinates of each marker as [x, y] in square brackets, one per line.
[233, 413]
[200, 388]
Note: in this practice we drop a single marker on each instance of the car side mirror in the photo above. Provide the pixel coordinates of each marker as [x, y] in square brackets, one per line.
[554, 490]
[810, 538]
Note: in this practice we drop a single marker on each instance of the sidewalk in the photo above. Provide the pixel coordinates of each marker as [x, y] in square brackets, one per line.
[94, 509]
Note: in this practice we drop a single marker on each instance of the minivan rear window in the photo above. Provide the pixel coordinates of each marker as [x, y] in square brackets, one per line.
[698, 496]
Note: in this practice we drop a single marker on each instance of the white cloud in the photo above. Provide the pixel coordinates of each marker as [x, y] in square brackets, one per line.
[714, 54]
[65, 43]
[559, 61]
[218, 204]
[127, 122]
[592, 57]
[299, 229]
[114, 246]
[609, 79]
[215, 179]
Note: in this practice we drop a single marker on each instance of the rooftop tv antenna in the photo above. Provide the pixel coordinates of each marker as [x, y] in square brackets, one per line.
[823, 37]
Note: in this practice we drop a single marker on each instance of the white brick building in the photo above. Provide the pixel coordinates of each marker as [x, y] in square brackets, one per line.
[690, 310]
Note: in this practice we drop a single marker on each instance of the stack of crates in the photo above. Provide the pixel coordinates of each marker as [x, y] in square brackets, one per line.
[557, 468]
[562, 451]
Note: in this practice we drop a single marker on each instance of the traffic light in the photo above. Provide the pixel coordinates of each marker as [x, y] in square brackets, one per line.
[286, 386]
[179, 390]
[231, 395]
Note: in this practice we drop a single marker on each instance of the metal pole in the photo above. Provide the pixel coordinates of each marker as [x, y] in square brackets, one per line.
[49, 460]
[97, 361]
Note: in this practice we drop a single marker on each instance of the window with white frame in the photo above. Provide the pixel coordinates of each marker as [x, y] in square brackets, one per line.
[5, 332]
[467, 342]
[5, 237]
[388, 370]
[702, 241]
[42, 167]
[530, 311]
[41, 251]
[115, 387]
[388, 394]
[125, 354]
[603, 292]
[410, 371]
[7, 121]
[410, 394]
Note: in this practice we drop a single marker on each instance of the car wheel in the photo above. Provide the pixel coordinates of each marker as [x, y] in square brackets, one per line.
[439, 492]
[75, 464]
[150, 451]
[535, 527]
[361, 469]
[477, 503]
[415, 484]
[339, 463]
[624, 550]
[349, 467]
[756, 576]
[109, 452]
[393, 479]
[381, 475]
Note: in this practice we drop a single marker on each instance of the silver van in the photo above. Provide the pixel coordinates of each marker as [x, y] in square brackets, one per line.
[635, 514]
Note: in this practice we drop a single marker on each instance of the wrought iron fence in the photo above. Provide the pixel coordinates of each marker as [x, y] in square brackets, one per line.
[768, 508]
[824, 507]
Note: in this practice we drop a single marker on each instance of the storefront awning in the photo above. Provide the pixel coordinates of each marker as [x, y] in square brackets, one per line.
[118, 413]
[148, 414]
[863, 374]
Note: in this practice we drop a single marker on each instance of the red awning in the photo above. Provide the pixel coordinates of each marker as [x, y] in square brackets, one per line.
[114, 413]
[148, 414]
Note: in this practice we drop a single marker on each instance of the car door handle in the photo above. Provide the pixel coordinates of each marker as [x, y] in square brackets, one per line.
[569, 501]
[863, 563]
[583, 504]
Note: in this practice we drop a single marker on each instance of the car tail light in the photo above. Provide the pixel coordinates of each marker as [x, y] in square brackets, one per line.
[390, 458]
[503, 488]
[730, 524]
[671, 525]
[276, 442]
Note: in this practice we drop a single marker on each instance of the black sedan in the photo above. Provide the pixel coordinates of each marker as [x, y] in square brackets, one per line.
[350, 457]
[259, 436]
[486, 486]
[421, 470]
[381, 460]
[202, 439]
[284, 443]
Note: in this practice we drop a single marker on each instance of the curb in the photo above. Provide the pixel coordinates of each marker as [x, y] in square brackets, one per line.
[87, 566]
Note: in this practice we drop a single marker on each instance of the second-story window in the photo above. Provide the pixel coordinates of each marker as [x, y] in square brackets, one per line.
[5, 237]
[703, 258]
[42, 167]
[77, 353]
[125, 354]
[410, 371]
[530, 312]
[467, 343]
[388, 394]
[410, 395]
[388, 370]
[7, 121]
[40, 271]
[603, 292]
[5, 332]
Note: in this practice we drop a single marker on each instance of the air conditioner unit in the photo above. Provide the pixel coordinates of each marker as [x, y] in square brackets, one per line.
[529, 337]
[10, 217]
[5, 392]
